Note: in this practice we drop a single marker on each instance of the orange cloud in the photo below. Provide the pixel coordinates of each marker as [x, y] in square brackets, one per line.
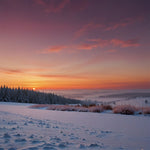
[56, 48]
[92, 44]
[95, 44]
[11, 71]
[87, 46]
[51, 6]
[59, 76]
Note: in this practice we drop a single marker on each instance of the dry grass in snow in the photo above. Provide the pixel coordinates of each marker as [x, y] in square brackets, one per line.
[121, 109]
[146, 110]
[107, 107]
[78, 108]
[125, 109]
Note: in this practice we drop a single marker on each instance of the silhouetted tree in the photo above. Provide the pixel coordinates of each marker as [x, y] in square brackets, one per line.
[30, 96]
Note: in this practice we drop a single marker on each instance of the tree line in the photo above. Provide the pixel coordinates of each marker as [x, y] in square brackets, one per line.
[21, 95]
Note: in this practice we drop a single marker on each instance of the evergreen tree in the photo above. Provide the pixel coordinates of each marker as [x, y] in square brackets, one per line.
[30, 96]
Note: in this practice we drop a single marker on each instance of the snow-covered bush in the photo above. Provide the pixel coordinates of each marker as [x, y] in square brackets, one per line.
[107, 107]
[69, 108]
[39, 106]
[96, 109]
[146, 110]
[125, 109]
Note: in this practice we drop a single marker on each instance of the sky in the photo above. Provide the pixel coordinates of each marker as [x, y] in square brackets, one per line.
[75, 44]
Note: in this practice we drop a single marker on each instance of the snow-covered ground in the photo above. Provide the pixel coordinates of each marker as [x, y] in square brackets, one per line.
[24, 128]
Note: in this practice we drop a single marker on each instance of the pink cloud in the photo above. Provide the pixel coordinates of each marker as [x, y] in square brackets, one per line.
[115, 26]
[111, 26]
[51, 6]
[87, 46]
[116, 43]
[123, 44]
[123, 23]
[91, 44]
[100, 42]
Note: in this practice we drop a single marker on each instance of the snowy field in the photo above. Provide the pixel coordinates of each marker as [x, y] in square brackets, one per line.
[24, 128]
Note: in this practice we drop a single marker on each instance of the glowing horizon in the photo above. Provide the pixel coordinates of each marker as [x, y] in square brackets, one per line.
[66, 44]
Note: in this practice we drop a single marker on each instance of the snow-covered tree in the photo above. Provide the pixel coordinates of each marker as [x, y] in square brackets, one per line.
[30, 96]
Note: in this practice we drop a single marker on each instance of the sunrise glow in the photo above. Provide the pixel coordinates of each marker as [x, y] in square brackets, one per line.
[75, 44]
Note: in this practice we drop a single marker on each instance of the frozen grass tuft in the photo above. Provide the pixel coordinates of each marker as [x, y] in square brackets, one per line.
[121, 109]
[78, 108]
[125, 109]
[107, 107]
[96, 109]
[39, 106]
[146, 110]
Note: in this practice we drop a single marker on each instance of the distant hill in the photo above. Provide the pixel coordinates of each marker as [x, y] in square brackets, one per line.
[127, 95]
[30, 96]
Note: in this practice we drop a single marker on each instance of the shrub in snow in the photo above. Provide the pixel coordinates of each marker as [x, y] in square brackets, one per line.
[96, 109]
[39, 106]
[82, 109]
[146, 110]
[88, 104]
[6, 135]
[51, 107]
[125, 109]
[107, 107]
[69, 108]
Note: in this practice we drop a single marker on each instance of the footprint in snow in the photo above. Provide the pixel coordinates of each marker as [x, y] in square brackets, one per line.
[74, 138]
[63, 144]
[103, 134]
[20, 140]
[17, 135]
[49, 148]
[32, 148]
[13, 129]
[25, 124]
[93, 145]
[36, 141]
[30, 122]
[12, 149]
[56, 139]
[81, 146]
[31, 136]
[6, 135]
[47, 126]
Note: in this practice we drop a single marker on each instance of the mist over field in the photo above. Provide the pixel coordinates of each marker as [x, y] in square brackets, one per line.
[136, 97]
